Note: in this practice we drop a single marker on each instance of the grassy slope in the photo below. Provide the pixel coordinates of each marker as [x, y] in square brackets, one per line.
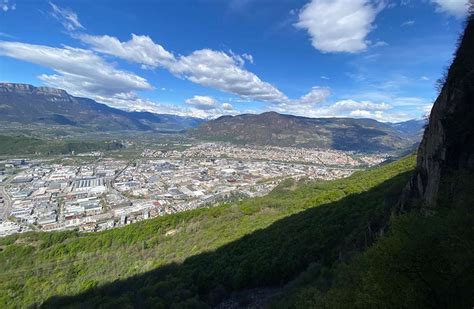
[36, 266]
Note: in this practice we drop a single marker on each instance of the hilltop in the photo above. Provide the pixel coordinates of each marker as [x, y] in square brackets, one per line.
[25, 104]
[271, 128]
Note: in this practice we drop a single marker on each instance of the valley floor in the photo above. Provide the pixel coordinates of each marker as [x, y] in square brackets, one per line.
[201, 257]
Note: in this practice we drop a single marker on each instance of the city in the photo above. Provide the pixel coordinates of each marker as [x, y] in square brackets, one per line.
[236, 154]
[99, 192]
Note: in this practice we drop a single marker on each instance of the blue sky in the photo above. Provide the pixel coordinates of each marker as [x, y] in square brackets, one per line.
[319, 58]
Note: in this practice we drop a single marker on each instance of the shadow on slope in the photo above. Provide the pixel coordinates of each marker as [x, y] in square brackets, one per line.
[270, 257]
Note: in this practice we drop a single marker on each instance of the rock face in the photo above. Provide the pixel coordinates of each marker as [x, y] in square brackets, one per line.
[29, 89]
[445, 164]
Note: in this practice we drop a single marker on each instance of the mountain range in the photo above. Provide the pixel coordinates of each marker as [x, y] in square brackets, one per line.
[276, 129]
[26, 104]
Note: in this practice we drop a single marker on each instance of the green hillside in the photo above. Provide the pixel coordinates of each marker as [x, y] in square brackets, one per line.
[199, 258]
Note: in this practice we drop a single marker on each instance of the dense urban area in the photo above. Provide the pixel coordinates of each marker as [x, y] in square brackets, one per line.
[94, 192]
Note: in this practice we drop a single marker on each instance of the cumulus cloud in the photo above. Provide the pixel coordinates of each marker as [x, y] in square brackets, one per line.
[347, 108]
[338, 25]
[208, 107]
[457, 8]
[84, 73]
[219, 70]
[202, 102]
[315, 96]
[227, 106]
[212, 108]
[205, 67]
[66, 17]
[79, 71]
[131, 102]
[140, 48]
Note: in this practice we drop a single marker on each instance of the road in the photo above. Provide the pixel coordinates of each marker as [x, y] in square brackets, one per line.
[5, 208]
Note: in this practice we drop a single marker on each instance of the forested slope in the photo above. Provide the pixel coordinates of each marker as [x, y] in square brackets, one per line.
[199, 258]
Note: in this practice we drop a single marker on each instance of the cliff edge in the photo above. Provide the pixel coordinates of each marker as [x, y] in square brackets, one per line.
[444, 174]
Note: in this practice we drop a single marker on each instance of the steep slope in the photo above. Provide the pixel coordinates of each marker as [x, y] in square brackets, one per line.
[445, 167]
[26, 104]
[276, 129]
[199, 258]
[425, 259]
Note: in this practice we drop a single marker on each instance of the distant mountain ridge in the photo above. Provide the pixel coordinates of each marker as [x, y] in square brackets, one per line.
[414, 127]
[27, 104]
[276, 129]
[23, 104]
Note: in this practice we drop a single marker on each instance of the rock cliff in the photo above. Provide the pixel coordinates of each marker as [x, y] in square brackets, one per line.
[444, 175]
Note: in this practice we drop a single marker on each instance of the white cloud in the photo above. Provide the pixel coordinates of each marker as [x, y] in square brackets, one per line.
[221, 71]
[360, 113]
[227, 106]
[131, 102]
[315, 96]
[343, 106]
[66, 17]
[6, 6]
[140, 49]
[348, 108]
[324, 77]
[338, 25]
[425, 78]
[457, 8]
[208, 107]
[79, 71]
[202, 102]
[380, 44]
[408, 23]
[427, 109]
[205, 67]
[248, 57]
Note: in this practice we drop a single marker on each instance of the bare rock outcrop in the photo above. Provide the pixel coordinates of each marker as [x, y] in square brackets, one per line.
[445, 162]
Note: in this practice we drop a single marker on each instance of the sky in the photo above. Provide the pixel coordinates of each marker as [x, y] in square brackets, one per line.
[206, 58]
